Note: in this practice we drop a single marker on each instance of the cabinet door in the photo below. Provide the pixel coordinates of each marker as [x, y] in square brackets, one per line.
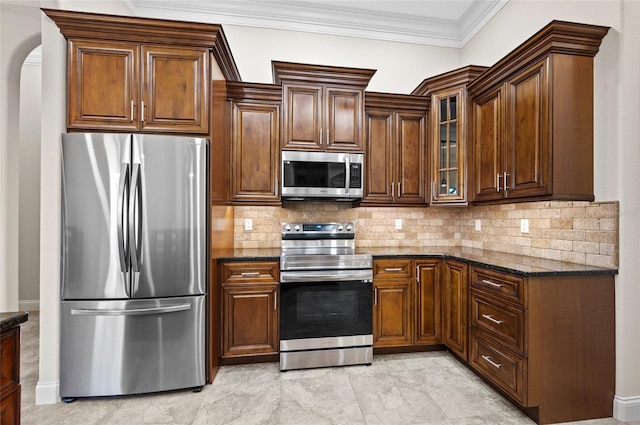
[302, 115]
[250, 319]
[175, 90]
[392, 324]
[488, 148]
[410, 158]
[455, 307]
[448, 152]
[102, 85]
[255, 152]
[427, 302]
[344, 109]
[527, 133]
[379, 156]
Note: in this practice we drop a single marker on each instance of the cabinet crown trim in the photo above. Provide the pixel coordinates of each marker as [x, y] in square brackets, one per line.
[288, 72]
[396, 102]
[95, 26]
[254, 91]
[557, 37]
[452, 79]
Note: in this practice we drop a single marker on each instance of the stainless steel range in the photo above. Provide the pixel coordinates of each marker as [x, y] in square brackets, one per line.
[326, 311]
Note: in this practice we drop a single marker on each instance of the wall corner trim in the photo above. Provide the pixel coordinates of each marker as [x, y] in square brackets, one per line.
[47, 392]
[626, 409]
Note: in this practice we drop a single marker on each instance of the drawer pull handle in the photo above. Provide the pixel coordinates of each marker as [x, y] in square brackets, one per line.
[488, 282]
[393, 269]
[489, 317]
[245, 274]
[494, 364]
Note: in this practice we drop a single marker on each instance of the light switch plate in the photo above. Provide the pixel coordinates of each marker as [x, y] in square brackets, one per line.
[524, 225]
[248, 224]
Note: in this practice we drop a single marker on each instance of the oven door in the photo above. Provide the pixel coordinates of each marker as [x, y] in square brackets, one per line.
[325, 309]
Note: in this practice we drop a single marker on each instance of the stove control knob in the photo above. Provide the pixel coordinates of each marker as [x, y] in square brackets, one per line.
[297, 228]
[349, 228]
[287, 227]
[339, 227]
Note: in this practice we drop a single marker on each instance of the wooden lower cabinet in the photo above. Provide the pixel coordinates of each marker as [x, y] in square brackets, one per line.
[548, 342]
[406, 302]
[250, 315]
[454, 307]
[10, 377]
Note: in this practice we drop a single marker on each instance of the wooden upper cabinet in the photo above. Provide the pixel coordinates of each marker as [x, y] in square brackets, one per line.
[175, 95]
[103, 85]
[532, 117]
[139, 74]
[395, 149]
[254, 166]
[131, 87]
[322, 106]
[448, 134]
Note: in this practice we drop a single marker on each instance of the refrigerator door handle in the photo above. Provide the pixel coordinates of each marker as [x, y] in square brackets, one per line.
[123, 188]
[130, 312]
[135, 218]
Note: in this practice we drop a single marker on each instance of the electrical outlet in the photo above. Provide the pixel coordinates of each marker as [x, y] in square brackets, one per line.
[398, 223]
[478, 225]
[248, 224]
[524, 225]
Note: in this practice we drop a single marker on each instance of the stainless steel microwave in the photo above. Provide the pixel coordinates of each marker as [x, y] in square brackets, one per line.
[322, 175]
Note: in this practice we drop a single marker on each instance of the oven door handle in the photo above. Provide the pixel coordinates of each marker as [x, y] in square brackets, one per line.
[350, 275]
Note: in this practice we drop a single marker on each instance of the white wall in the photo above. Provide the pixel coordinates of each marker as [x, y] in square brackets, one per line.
[20, 26]
[29, 185]
[400, 67]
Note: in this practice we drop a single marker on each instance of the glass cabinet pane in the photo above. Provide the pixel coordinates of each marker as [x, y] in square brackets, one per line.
[443, 183]
[443, 110]
[453, 182]
[453, 108]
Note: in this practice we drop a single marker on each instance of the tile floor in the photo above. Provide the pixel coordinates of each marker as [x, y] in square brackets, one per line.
[420, 388]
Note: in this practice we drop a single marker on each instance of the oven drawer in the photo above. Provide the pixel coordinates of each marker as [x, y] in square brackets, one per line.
[501, 366]
[250, 272]
[393, 269]
[499, 320]
[501, 285]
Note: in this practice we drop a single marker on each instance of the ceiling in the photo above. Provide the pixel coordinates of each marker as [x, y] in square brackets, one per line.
[448, 23]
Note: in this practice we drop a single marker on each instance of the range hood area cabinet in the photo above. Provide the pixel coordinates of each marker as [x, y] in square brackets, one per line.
[322, 106]
[395, 150]
[532, 118]
[138, 74]
[254, 163]
[448, 134]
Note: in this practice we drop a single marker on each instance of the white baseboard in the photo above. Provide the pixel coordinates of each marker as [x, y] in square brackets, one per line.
[626, 409]
[47, 392]
[29, 305]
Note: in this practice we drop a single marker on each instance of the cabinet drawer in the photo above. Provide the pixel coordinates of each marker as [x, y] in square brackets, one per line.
[250, 272]
[501, 366]
[505, 286]
[499, 320]
[393, 269]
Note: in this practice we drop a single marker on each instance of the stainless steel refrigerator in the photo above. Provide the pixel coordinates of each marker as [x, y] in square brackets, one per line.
[134, 264]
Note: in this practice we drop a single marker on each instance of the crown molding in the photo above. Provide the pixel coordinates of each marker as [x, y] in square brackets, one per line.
[316, 17]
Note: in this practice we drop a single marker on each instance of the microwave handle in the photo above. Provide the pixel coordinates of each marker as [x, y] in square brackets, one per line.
[348, 175]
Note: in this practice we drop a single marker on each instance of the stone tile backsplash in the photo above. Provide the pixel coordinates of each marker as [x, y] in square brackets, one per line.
[578, 232]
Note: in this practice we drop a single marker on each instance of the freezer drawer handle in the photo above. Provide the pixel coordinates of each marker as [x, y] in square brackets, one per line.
[130, 312]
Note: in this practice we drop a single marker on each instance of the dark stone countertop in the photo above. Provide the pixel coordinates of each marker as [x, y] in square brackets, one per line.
[495, 260]
[11, 319]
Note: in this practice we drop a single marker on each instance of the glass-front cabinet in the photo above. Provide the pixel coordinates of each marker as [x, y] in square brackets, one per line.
[447, 174]
[449, 181]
